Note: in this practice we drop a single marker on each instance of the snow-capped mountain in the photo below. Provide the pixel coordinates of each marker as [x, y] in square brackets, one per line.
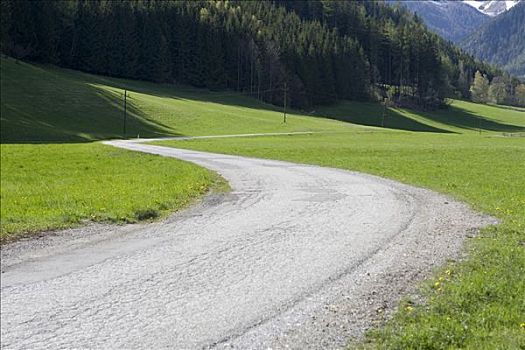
[453, 20]
[493, 7]
[501, 41]
[493, 31]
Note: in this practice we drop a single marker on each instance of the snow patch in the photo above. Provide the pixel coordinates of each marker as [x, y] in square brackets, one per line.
[492, 7]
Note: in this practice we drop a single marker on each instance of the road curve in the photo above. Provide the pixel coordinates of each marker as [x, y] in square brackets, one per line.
[295, 256]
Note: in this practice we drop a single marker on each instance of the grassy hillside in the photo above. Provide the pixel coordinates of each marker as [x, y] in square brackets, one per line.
[459, 117]
[47, 104]
[51, 104]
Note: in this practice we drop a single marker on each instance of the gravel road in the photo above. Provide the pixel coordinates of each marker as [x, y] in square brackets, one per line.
[295, 256]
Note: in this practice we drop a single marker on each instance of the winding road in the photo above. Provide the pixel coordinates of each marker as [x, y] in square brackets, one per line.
[295, 256]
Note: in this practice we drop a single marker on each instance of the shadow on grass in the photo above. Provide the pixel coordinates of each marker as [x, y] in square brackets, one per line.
[512, 108]
[185, 92]
[42, 106]
[53, 105]
[365, 113]
[371, 114]
[464, 119]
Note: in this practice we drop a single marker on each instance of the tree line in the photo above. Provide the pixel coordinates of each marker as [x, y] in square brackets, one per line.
[501, 90]
[320, 51]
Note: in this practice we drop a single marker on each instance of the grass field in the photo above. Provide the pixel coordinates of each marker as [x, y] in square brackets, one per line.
[461, 151]
[459, 117]
[55, 186]
[48, 104]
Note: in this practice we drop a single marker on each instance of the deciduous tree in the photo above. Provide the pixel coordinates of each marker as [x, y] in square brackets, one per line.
[498, 90]
[480, 88]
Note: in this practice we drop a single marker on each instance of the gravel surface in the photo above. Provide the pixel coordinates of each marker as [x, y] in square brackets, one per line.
[295, 256]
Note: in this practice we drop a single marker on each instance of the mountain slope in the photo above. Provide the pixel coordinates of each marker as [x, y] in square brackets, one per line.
[502, 41]
[452, 20]
[493, 7]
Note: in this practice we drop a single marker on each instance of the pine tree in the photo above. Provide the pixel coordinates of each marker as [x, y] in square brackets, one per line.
[464, 79]
[47, 20]
[87, 48]
[20, 29]
[155, 58]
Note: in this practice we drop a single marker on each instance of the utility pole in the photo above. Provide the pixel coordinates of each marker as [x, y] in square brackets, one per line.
[479, 125]
[284, 109]
[125, 112]
[385, 101]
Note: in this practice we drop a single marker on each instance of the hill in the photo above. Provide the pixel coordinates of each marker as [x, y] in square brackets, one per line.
[71, 106]
[452, 20]
[46, 103]
[502, 41]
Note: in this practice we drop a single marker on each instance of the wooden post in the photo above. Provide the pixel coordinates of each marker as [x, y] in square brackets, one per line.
[479, 125]
[125, 113]
[384, 112]
[284, 109]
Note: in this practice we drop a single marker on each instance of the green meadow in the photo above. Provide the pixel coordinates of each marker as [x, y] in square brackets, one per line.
[54, 175]
[48, 104]
[51, 186]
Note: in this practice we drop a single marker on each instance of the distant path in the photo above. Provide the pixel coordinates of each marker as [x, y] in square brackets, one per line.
[181, 138]
[295, 255]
